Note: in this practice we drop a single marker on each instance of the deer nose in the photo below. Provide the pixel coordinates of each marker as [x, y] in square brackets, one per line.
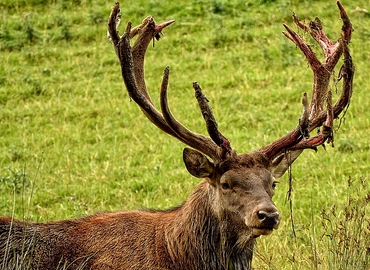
[268, 219]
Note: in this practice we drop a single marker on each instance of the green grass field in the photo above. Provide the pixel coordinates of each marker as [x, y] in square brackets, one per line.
[73, 144]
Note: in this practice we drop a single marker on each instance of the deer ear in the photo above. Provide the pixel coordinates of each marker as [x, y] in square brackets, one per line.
[282, 162]
[197, 164]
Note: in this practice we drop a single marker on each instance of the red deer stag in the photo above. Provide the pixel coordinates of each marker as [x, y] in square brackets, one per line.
[217, 226]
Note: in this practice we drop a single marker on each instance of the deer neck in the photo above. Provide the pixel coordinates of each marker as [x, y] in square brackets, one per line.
[202, 235]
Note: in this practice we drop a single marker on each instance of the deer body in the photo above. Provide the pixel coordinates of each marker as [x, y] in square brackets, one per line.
[217, 226]
[191, 236]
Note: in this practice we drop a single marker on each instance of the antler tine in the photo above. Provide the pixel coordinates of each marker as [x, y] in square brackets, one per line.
[113, 22]
[290, 139]
[211, 123]
[148, 31]
[197, 141]
[322, 72]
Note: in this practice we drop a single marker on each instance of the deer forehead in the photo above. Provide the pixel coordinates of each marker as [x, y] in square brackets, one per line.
[245, 176]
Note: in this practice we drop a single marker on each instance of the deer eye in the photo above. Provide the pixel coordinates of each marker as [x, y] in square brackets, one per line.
[225, 186]
[274, 184]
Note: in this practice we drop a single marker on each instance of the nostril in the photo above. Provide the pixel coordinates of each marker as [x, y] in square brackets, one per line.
[268, 218]
[262, 215]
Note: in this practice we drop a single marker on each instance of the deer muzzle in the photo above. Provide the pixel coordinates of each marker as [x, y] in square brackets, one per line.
[264, 221]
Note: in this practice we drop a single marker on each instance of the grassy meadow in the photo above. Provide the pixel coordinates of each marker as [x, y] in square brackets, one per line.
[72, 143]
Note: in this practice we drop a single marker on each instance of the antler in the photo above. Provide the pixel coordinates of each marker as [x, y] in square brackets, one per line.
[217, 146]
[132, 65]
[314, 115]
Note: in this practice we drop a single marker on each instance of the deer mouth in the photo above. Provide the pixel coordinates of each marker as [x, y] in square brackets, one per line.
[263, 230]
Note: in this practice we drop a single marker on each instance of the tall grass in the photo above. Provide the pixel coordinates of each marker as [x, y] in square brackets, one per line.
[338, 238]
[347, 230]
[65, 117]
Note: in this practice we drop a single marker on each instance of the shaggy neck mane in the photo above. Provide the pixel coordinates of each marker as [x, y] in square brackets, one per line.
[206, 239]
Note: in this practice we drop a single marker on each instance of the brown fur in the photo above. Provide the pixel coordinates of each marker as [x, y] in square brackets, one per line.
[203, 233]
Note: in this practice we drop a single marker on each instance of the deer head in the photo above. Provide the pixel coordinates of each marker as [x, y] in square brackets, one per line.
[241, 185]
